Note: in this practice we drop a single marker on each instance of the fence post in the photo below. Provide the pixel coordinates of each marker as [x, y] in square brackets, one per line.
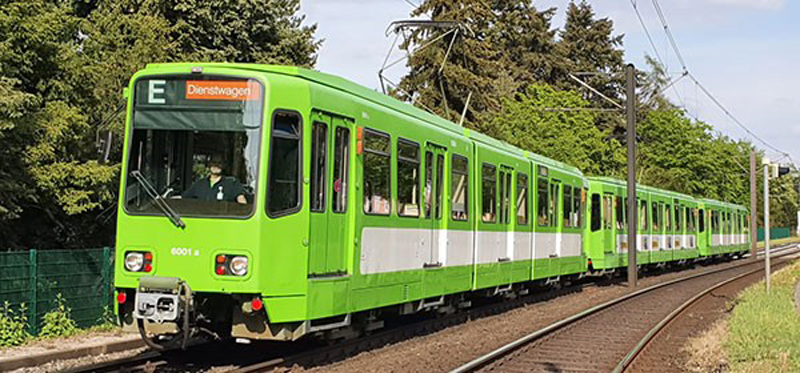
[33, 281]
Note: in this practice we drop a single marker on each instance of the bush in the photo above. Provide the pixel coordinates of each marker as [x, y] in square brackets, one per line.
[13, 326]
[58, 322]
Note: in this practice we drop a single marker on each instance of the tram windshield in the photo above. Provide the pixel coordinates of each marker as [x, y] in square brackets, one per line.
[196, 140]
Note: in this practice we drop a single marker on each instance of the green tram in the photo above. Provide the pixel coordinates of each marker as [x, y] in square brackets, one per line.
[273, 202]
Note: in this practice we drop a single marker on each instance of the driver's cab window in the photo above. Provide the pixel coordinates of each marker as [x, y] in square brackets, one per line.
[195, 142]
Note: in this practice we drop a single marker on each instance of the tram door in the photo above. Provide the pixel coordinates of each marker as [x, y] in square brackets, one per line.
[434, 205]
[330, 170]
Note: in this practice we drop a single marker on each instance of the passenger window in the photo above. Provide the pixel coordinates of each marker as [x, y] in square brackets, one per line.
[459, 187]
[505, 196]
[488, 193]
[283, 191]
[596, 208]
[607, 211]
[341, 169]
[428, 183]
[543, 202]
[567, 206]
[620, 211]
[439, 184]
[376, 173]
[522, 199]
[643, 216]
[576, 207]
[407, 178]
[702, 224]
[668, 218]
[656, 222]
[319, 160]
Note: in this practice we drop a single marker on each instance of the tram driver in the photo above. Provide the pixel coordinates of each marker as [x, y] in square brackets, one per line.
[216, 187]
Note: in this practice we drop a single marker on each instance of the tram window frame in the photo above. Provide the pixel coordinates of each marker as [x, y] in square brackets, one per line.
[319, 166]
[567, 206]
[458, 174]
[489, 183]
[543, 194]
[597, 207]
[387, 155]
[403, 163]
[275, 138]
[341, 169]
[555, 189]
[523, 199]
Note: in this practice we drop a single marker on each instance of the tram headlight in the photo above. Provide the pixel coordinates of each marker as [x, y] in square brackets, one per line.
[134, 261]
[238, 265]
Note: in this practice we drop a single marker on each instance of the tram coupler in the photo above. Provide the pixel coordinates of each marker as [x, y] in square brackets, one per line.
[159, 304]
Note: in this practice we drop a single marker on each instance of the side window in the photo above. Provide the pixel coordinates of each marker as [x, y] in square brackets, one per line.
[319, 161]
[505, 196]
[407, 178]
[439, 184]
[668, 218]
[543, 202]
[283, 186]
[488, 193]
[655, 216]
[607, 211]
[690, 219]
[341, 169]
[582, 215]
[702, 224]
[576, 207]
[459, 187]
[376, 173]
[596, 208]
[567, 206]
[620, 211]
[643, 216]
[522, 199]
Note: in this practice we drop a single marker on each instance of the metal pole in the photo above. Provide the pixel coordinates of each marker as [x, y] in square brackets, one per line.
[753, 206]
[630, 111]
[766, 222]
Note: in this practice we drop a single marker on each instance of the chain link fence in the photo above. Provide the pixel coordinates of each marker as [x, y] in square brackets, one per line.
[85, 278]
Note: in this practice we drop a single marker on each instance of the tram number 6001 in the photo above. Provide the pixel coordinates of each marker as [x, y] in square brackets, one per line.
[184, 251]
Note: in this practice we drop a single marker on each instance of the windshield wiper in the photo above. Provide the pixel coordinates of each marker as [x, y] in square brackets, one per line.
[158, 200]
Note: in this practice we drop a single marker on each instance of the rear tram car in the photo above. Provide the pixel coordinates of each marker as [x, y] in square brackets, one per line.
[272, 202]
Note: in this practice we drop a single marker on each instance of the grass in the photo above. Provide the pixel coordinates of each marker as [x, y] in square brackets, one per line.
[780, 241]
[764, 331]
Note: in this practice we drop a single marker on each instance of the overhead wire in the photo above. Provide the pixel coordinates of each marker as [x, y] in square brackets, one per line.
[663, 19]
[655, 49]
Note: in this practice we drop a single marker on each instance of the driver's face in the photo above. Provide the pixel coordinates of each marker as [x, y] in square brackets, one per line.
[215, 170]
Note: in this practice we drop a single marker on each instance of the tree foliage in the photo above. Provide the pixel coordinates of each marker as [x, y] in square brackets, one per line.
[63, 66]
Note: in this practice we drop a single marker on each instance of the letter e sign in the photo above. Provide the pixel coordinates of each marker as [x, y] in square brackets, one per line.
[156, 87]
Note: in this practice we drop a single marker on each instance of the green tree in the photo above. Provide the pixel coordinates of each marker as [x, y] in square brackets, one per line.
[503, 47]
[588, 45]
[566, 135]
[62, 70]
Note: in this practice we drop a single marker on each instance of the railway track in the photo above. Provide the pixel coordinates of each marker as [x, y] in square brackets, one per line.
[264, 357]
[610, 336]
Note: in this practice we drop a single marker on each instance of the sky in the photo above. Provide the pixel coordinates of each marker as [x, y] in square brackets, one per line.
[745, 52]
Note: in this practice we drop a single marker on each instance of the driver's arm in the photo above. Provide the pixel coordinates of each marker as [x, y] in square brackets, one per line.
[239, 191]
